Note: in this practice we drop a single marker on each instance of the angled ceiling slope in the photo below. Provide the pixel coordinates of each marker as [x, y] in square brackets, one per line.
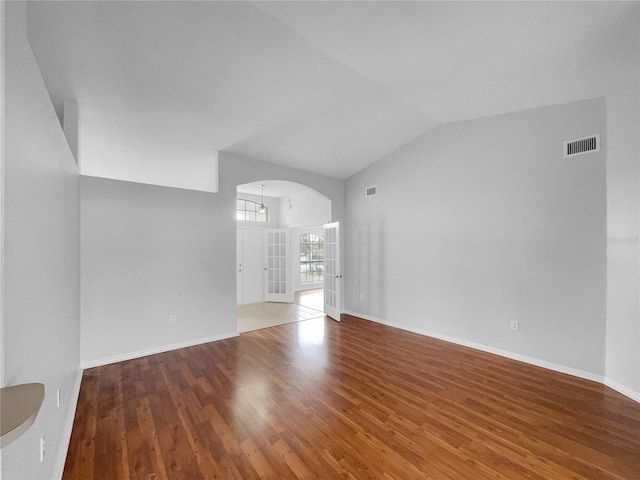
[325, 87]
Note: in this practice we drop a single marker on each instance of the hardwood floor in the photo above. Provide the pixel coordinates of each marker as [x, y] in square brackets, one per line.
[349, 400]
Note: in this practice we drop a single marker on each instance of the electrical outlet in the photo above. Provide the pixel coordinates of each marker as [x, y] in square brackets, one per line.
[172, 319]
[42, 446]
[515, 326]
[362, 296]
[58, 398]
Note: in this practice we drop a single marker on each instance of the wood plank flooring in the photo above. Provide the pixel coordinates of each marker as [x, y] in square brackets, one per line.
[350, 400]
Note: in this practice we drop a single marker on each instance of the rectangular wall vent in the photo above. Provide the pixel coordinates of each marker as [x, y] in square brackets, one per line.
[371, 191]
[580, 146]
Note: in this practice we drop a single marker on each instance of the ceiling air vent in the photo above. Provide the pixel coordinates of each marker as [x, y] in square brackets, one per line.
[371, 191]
[580, 146]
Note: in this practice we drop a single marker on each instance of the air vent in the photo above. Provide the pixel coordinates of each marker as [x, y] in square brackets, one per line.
[580, 146]
[371, 191]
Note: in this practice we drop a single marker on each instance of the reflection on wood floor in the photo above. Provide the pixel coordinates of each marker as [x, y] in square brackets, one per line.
[352, 400]
[309, 304]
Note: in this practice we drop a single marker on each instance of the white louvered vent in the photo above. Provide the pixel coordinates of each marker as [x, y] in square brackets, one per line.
[371, 191]
[581, 146]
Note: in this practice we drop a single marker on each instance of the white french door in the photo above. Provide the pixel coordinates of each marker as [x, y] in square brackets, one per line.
[332, 273]
[277, 270]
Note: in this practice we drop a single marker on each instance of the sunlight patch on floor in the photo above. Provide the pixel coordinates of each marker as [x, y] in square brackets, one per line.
[269, 314]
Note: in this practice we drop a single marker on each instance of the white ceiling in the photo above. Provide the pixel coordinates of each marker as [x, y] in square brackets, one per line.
[163, 86]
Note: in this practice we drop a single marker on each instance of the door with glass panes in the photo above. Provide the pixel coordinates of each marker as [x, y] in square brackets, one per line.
[332, 273]
[277, 270]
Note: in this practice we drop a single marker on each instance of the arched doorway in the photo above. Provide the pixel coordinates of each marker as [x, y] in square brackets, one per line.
[279, 253]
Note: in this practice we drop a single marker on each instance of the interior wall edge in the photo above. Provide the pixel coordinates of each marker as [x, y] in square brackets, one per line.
[65, 436]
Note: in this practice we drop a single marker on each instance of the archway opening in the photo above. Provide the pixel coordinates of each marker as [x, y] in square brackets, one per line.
[279, 253]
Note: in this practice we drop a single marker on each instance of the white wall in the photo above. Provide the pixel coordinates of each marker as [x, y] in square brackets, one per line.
[623, 315]
[41, 323]
[2, 42]
[304, 208]
[481, 222]
[149, 252]
[2, 149]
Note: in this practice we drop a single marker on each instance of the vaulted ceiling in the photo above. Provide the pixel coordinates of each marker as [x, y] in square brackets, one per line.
[325, 87]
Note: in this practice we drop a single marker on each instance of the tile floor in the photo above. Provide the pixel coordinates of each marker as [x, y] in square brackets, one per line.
[269, 314]
[311, 298]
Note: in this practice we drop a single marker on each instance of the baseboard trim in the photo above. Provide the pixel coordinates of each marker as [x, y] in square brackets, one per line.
[152, 351]
[65, 436]
[626, 391]
[507, 354]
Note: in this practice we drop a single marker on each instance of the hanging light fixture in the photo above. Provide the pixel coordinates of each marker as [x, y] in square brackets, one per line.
[262, 209]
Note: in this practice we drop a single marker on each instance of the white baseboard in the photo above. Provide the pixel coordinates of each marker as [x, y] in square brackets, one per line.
[65, 436]
[626, 391]
[152, 351]
[514, 356]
